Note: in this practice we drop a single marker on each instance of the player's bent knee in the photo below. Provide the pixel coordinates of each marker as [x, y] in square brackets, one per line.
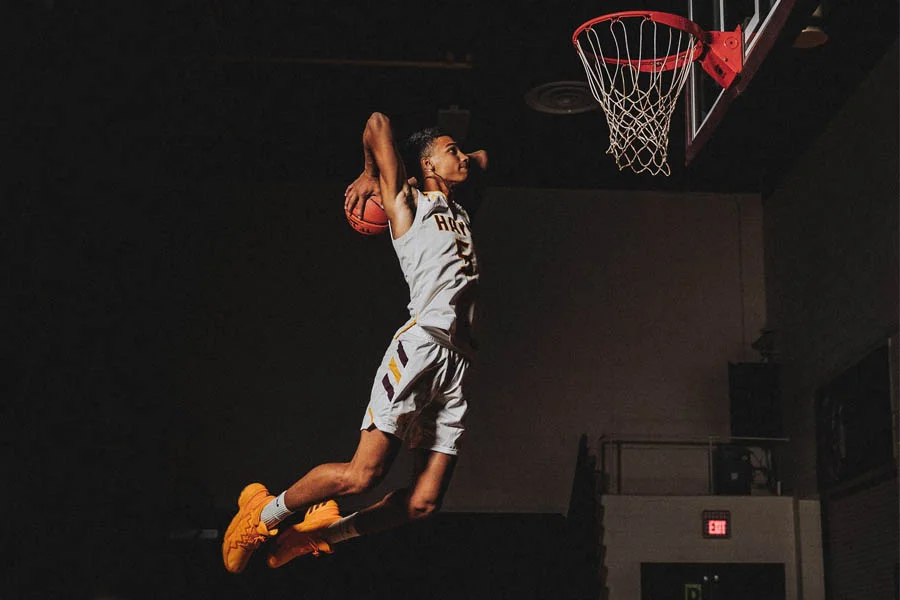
[359, 480]
[420, 508]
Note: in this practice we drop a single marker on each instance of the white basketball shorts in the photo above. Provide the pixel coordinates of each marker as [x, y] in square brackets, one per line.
[418, 393]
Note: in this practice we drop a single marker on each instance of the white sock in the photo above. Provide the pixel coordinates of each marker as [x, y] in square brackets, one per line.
[275, 512]
[341, 530]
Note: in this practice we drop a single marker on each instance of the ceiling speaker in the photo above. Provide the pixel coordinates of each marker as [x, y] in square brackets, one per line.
[561, 98]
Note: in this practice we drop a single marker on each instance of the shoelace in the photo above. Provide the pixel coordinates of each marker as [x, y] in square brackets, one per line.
[249, 539]
[315, 548]
[297, 548]
[250, 536]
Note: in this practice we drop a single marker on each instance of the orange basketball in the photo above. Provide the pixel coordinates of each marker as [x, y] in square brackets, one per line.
[373, 221]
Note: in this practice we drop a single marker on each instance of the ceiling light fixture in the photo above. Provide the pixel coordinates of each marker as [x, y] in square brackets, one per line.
[561, 98]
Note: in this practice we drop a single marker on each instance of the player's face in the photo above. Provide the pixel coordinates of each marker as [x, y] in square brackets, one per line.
[448, 160]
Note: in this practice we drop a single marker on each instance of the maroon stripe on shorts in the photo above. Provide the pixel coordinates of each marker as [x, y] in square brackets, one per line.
[402, 353]
[388, 387]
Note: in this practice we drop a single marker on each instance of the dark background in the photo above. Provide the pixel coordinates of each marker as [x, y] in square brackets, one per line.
[233, 89]
[120, 110]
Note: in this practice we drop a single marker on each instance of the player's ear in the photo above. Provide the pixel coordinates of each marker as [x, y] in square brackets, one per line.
[427, 166]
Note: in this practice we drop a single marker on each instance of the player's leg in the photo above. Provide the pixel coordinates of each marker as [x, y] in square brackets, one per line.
[433, 471]
[370, 463]
[259, 513]
[435, 434]
[408, 399]
[435, 431]
[423, 498]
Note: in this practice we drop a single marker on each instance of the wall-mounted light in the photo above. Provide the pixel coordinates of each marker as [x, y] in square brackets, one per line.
[814, 34]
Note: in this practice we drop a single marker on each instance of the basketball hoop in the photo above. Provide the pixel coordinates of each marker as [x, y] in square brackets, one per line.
[637, 63]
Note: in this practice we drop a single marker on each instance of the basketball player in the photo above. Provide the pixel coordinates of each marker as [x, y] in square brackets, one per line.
[419, 390]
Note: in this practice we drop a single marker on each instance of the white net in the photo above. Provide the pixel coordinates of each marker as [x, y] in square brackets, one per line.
[636, 69]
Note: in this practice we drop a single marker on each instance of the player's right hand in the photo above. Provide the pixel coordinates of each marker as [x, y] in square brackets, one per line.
[358, 192]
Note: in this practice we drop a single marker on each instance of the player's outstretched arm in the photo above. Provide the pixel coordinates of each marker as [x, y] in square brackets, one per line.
[469, 194]
[383, 174]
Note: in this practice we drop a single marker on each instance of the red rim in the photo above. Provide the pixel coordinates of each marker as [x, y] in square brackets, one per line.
[664, 63]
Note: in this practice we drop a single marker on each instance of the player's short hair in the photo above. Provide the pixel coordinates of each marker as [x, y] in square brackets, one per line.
[417, 146]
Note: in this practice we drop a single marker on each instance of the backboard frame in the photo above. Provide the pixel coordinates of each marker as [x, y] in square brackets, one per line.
[759, 36]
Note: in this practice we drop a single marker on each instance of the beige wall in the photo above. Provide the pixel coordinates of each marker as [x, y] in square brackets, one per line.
[606, 313]
[668, 529]
[831, 240]
[809, 550]
[603, 313]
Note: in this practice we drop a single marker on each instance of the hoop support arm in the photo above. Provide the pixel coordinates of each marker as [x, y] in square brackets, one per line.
[724, 56]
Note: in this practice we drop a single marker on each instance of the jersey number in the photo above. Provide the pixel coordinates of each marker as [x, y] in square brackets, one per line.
[464, 252]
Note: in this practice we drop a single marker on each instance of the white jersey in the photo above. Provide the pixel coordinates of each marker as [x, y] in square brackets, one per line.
[437, 257]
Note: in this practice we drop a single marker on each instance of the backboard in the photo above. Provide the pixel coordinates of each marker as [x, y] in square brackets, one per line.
[706, 102]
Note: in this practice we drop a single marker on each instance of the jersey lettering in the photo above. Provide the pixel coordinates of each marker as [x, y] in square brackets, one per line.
[445, 224]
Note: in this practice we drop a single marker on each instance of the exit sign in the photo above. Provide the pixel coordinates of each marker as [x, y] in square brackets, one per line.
[716, 524]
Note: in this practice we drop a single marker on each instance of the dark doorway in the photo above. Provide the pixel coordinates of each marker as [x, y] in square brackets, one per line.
[712, 581]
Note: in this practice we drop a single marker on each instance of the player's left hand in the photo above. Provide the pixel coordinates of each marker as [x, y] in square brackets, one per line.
[358, 192]
[479, 158]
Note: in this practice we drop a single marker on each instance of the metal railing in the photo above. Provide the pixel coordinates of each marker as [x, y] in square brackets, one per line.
[611, 465]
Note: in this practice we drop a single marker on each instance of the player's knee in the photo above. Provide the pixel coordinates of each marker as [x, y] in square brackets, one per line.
[422, 507]
[362, 479]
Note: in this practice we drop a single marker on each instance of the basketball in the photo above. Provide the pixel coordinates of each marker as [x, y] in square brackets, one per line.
[374, 219]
